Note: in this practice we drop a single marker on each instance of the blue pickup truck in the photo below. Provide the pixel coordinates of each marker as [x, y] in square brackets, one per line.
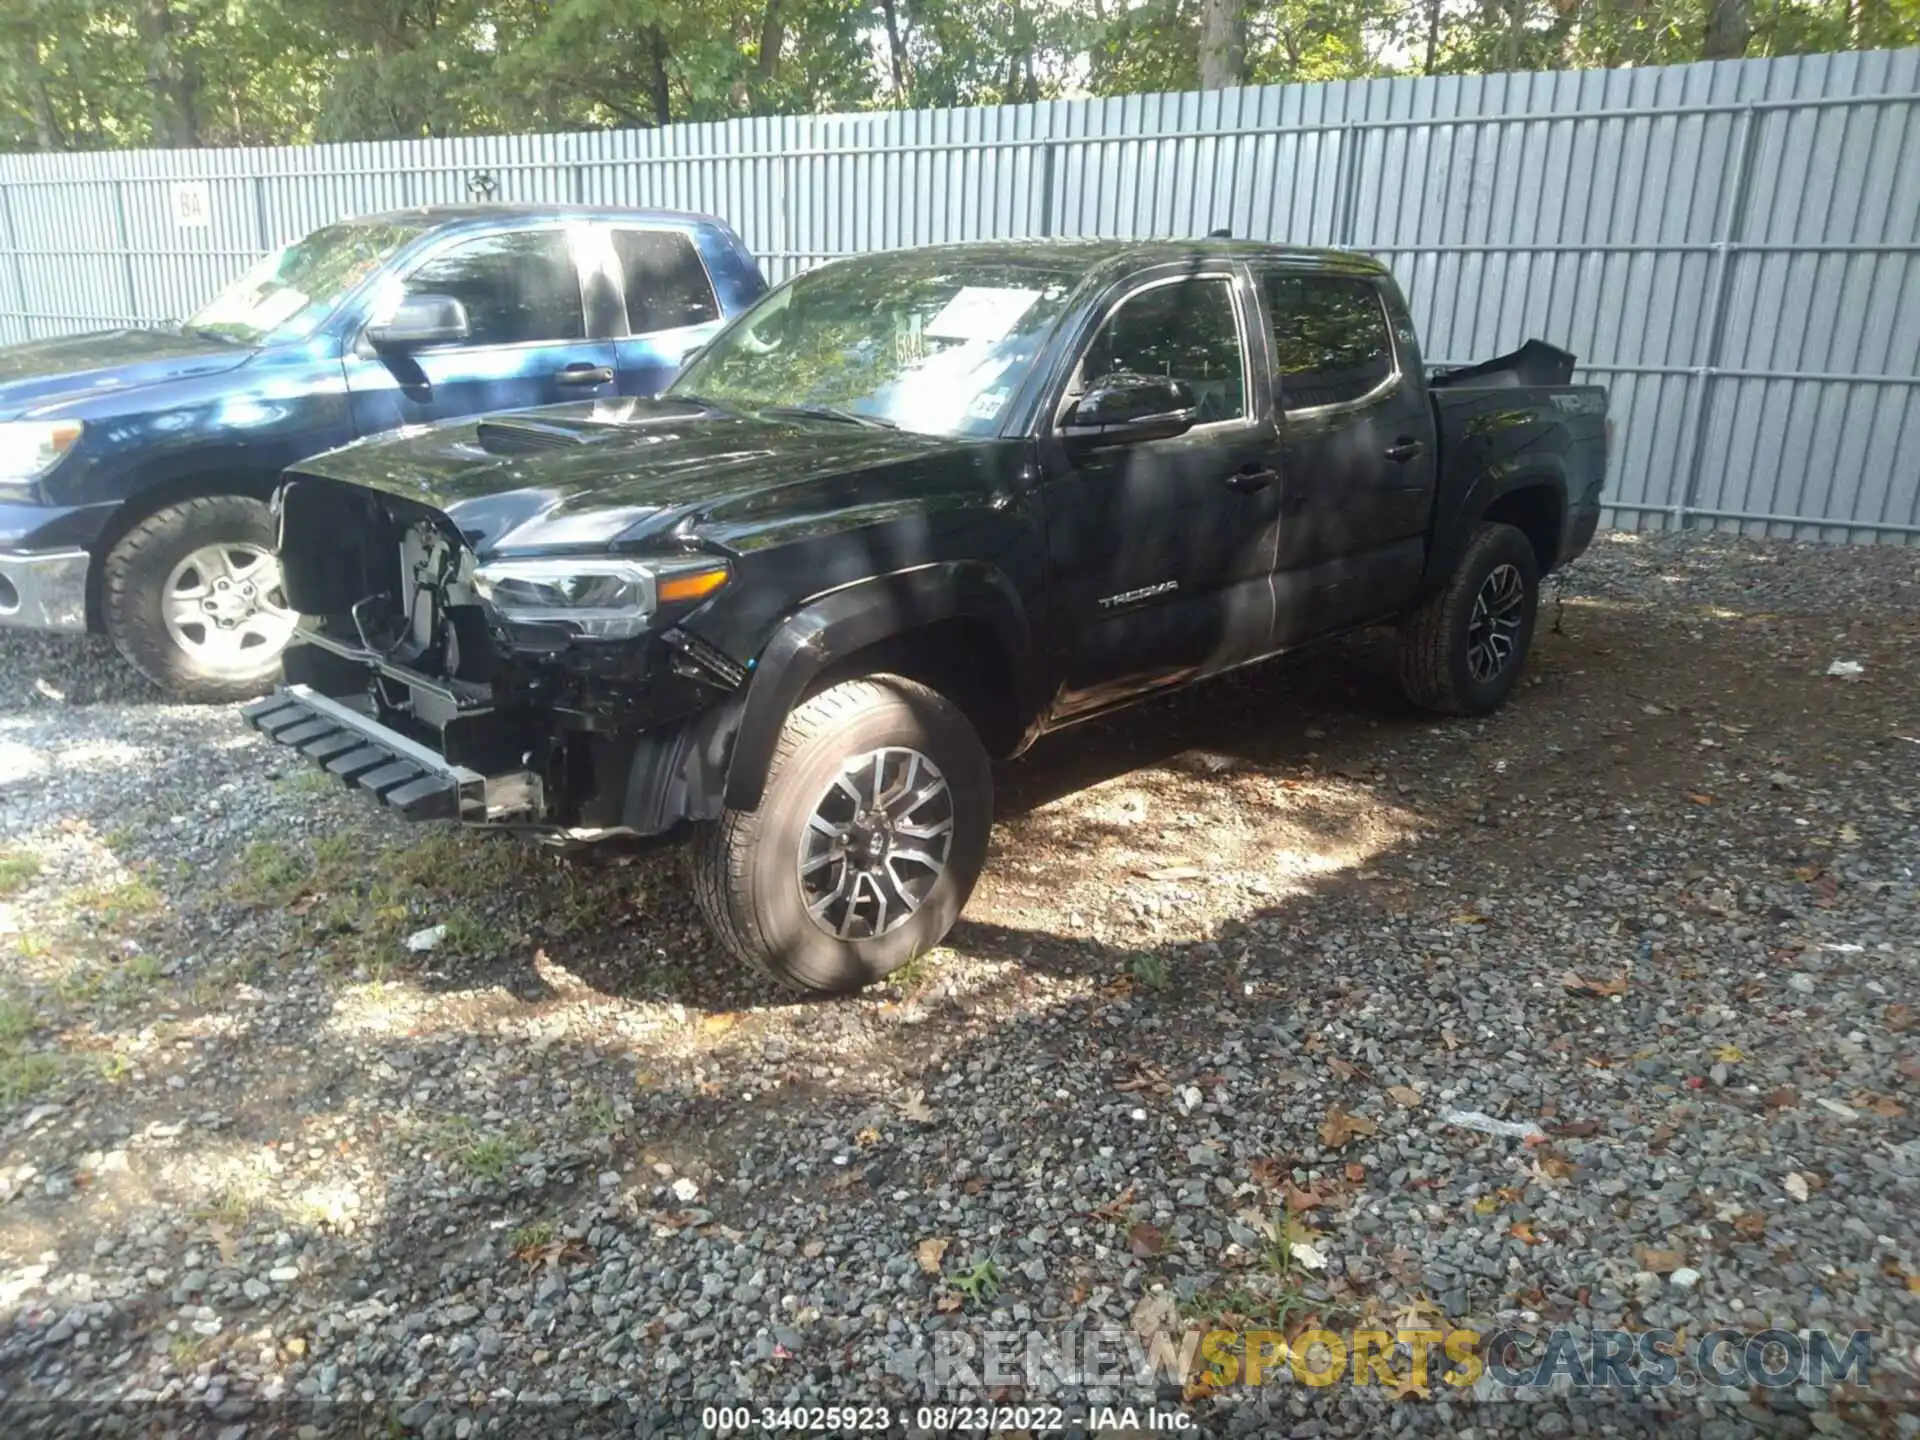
[136, 465]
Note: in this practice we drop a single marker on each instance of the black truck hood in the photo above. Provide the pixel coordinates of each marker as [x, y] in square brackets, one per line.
[616, 475]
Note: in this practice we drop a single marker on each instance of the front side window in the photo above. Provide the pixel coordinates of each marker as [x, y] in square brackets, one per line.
[667, 286]
[517, 288]
[926, 340]
[291, 291]
[1187, 331]
[1330, 339]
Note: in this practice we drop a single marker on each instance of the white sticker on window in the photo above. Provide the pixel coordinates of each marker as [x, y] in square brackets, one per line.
[981, 312]
[987, 404]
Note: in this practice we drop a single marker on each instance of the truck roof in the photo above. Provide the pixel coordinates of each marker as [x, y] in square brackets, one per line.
[430, 217]
[1092, 254]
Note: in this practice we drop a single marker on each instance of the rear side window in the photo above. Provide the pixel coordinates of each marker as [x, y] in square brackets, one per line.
[1330, 340]
[517, 287]
[667, 286]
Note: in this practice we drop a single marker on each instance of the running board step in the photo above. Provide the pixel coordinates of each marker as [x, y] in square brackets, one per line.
[401, 773]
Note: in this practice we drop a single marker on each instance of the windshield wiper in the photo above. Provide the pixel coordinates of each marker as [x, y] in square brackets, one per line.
[208, 332]
[830, 412]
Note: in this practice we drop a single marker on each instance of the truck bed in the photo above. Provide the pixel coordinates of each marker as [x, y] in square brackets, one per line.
[1504, 419]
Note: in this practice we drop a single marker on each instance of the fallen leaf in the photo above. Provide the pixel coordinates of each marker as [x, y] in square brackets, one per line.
[1356, 1173]
[223, 1237]
[1308, 1255]
[1888, 1107]
[1173, 872]
[1156, 1314]
[1785, 1098]
[931, 1253]
[1523, 1232]
[914, 1106]
[1700, 799]
[719, 1022]
[1449, 1039]
[1750, 1226]
[1729, 1055]
[1469, 917]
[1485, 1205]
[1574, 1129]
[1339, 1128]
[1556, 1167]
[1269, 1172]
[1661, 1262]
[867, 1137]
[1145, 1241]
[1299, 1201]
[1340, 1068]
[1578, 984]
[1795, 1185]
[946, 1302]
[1405, 1096]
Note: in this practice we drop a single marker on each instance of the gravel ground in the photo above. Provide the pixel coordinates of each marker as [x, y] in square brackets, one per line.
[1189, 1060]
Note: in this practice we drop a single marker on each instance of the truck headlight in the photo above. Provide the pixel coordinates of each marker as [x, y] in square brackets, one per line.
[30, 448]
[595, 599]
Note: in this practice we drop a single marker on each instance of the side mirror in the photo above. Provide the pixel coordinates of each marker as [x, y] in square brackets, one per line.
[1124, 409]
[421, 320]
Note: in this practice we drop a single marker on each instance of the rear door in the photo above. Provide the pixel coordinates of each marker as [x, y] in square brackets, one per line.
[1161, 552]
[531, 342]
[1356, 451]
[669, 305]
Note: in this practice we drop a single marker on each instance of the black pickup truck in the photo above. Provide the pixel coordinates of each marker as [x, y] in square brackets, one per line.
[908, 513]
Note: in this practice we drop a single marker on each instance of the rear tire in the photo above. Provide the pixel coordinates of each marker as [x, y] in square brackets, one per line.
[1462, 649]
[866, 844]
[192, 597]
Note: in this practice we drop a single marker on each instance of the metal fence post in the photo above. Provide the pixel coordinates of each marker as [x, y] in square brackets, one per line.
[125, 239]
[1726, 248]
[259, 188]
[19, 270]
[1347, 186]
[1048, 153]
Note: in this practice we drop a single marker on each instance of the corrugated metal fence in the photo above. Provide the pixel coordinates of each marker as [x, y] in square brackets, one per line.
[1733, 247]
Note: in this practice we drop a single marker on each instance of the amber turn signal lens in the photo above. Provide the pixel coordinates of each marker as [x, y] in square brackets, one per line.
[694, 585]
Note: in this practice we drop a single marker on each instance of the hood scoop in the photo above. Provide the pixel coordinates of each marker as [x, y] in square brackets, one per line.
[528, 437]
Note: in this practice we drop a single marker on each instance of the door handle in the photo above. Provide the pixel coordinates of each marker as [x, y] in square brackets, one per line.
[581, 373]
[1249, 480]
[1403, 450]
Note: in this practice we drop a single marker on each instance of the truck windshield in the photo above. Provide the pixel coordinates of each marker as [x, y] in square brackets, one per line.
[288, 293]
[922, 340]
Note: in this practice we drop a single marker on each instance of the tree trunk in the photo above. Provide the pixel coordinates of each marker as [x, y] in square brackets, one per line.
[773, 37]
[896, 49]
[1223, 43]
[1729, 29]
[171, 81]
[1433, 36]
[659, 90]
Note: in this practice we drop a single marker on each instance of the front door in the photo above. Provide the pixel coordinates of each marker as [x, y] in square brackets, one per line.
[1161, 552]
[528, 344]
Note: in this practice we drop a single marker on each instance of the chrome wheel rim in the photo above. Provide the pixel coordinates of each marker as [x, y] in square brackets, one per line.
[876, 843]
[1499, 612]
[224, 606]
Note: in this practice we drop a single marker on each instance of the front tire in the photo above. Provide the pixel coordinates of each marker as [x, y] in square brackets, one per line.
[1462, 649]
[192, 597]
[866, 844]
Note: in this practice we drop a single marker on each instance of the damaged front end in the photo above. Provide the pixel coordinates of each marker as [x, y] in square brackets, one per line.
[553, 694]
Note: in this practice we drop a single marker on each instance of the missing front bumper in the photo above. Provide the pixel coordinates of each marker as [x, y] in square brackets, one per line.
[401, 773]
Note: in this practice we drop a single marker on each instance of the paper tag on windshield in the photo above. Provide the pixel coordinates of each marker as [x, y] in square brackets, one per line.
[981, 312]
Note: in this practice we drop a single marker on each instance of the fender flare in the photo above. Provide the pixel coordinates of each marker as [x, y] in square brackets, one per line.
[1486, 492]
[837, 624]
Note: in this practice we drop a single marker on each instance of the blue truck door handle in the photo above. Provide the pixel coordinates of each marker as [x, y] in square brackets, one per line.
[581, 373]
